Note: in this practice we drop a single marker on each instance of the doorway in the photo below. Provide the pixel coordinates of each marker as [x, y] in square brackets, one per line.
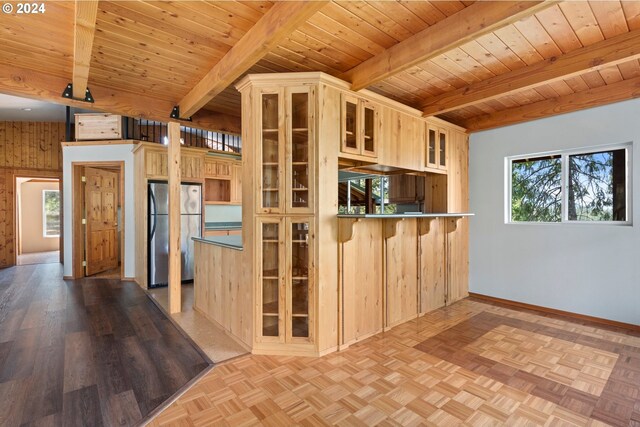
[38, 220]
[98, 220]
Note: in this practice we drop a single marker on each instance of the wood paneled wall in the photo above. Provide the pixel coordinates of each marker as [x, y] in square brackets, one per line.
[30, 149]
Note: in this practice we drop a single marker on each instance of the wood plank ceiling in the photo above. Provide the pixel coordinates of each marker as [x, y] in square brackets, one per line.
[157, 51]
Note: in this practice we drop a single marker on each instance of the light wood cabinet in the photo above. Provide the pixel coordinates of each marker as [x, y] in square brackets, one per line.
[360, 126]
[286, 151]
[286, 286]
[217, 168]
[436, 152]
[223, 181]
[156, 166]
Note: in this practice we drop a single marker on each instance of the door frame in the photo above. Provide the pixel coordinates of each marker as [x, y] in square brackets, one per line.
[34, 174]
[77, 207]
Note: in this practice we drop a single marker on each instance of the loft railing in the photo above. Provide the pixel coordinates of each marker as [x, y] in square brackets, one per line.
[152, 131]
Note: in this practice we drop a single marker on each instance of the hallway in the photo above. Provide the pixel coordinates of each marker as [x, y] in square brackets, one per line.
[88, 352]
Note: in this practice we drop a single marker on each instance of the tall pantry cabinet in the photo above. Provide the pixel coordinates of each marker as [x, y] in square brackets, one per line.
[284, 122]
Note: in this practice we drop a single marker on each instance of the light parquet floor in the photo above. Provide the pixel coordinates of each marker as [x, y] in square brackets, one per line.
[471, 364]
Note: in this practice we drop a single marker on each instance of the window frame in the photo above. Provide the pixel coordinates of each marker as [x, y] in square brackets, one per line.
[564, 179]
[44, 215]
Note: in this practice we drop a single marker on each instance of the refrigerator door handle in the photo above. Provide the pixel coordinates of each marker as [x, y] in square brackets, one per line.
[155, 214]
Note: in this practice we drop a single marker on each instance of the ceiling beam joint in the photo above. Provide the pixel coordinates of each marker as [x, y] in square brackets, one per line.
[279, 22]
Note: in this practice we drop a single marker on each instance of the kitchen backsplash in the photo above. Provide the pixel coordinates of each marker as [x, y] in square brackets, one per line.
[223, 213]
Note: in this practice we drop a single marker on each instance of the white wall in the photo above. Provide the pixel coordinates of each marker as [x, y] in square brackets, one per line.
[102, 153]
[31, 221]
[588, 269]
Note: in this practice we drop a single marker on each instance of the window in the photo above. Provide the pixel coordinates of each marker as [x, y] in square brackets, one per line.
[585, 186]
[51, 213]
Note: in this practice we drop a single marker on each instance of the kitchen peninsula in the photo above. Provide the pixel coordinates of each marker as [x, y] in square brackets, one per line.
[302, 279]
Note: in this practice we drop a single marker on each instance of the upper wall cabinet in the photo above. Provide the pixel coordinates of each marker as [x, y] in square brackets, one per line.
[360, 127]
[436, 150]
[286, 150]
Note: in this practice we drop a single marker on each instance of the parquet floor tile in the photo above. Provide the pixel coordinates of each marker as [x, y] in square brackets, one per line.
[469, 364]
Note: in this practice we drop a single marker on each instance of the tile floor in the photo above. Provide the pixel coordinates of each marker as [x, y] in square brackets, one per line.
[212, 340]
[472, 364]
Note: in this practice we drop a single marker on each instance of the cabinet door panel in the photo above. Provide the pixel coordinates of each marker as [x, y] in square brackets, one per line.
[300, 149]
[271, 153]
[350, 129]
[300, 289]
[370, 130]
[271, 275]
[432, 266]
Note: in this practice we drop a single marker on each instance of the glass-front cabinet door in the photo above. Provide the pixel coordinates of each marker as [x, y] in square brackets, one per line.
[271, 280]
[299, 317]
[432, 148]
[300, 133]
[271, 152]
[369, 135]
[350, 120]
[442, 149]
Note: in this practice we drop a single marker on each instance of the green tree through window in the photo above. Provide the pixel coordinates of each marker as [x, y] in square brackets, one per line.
[595, 187]
[51, 213]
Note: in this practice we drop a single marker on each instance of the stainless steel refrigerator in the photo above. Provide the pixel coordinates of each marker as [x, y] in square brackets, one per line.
[158, 228]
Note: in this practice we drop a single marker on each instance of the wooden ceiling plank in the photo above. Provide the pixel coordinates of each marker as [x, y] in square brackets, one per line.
[610, 17]
[611, 75]
[483, 57]
[557, 26]
[425, 10]
[84, 29]
[621, 91]
[609, 52]
[129, 15]
[466, 25]
[305, 53]
[448, 7]
[519, 44]
[324, 43]
[583, 22]
[536, 34]
[629, 69]
[345, 35]
[632, 14]
[347, 13]
[169, 49]
[593, 79]
[282, 19]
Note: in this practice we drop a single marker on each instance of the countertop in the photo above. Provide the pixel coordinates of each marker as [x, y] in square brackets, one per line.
[231, 242]
[408, 215]
[223, 225]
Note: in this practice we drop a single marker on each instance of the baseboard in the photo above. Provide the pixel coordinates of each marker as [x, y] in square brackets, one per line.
[67, 277]
[569, 314]
[128, 279]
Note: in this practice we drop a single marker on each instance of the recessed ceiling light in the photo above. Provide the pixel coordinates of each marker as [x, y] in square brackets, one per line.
[26, 109]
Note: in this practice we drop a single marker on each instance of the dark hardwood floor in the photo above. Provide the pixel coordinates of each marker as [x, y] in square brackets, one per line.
[91, 352]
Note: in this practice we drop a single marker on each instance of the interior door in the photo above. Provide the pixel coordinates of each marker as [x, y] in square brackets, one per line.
[101, 201]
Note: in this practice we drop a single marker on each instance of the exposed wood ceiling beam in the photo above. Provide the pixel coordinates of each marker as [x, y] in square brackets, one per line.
[84, 29]
[474, 21]
[621, 91]
[280, 21]
[30, 84]
[615, 50]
